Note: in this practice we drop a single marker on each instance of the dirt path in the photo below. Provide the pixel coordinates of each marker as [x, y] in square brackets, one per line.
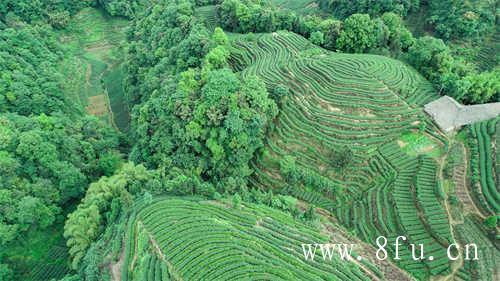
[88, 73]
[116, 268]
[171, 269]
[456, 265]
[455, 268]
[99, 47]
[462, 192]
[110, 111]
[461, 189]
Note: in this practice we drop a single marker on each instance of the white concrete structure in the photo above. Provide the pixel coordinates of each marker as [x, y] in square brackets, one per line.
[450, 115]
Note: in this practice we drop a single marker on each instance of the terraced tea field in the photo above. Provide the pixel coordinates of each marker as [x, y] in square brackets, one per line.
[470, 232]
[56, 267]
[370, 105]
[207, 15]
[484, 53]
[94, 66]
[305, 7]
[484, 165]
[188, 239]
[40, 257]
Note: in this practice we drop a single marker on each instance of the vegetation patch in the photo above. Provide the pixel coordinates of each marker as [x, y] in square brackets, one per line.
[98, 105]
[416, 143]
[93, 41]
[197, 239]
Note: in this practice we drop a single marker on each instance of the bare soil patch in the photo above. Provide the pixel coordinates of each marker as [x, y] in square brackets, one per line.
[97, 105]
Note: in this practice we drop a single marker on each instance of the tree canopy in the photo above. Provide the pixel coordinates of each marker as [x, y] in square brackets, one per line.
[345, 8]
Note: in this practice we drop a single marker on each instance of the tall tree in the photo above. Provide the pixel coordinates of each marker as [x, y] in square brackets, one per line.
[358, 34]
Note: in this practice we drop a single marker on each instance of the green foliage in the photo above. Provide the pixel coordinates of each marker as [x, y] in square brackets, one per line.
[6, 273]
[147, 197]
[50, 150]
[236, 201]
[54, 12]
[81, 227]
[330, 28]
[461, 18]
[219, 37]
[216, 58]
[280, 94]
[431, 57]
[245, 16]
[45, 162]
[58, 13]
[50, 157]
[491, 222]
[213, 128]
[126, 8]
[109, 163]
[399, 38]
[484, 87]
[84, 224]
[213, 121]
[451, 18]
[153, 60]
[434, 60]
[110, 196]
[203, 129]
[357, 34]
[317, 38]
[345, 8]
[30, 82]
[288, 168]
[342, 158]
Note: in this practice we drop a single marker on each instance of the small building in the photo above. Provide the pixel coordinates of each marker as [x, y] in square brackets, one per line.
[450, 115]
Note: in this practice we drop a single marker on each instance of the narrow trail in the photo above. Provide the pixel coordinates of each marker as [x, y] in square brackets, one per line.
[461, 189]
[88, 73]
[459, 178]
[173, 273]
[116, 268]
[455, 266]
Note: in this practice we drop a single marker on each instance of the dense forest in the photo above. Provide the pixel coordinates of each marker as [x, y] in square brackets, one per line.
[249, 120]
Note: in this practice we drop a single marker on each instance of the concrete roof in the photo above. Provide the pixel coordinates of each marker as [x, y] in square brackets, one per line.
[449, 114]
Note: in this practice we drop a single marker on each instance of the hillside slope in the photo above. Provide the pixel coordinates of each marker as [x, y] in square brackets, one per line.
[193, 239]
[370, 106]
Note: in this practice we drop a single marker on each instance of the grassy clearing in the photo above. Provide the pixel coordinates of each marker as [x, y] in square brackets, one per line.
[94, 65]
[415, 143]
